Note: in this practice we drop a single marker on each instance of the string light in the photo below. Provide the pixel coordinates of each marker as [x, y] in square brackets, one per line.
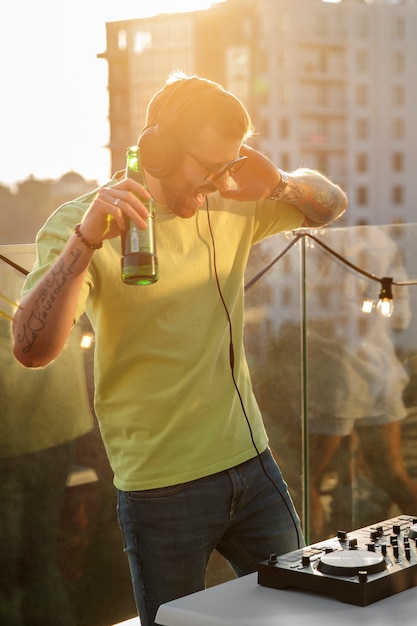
[385, 306]
[367, 306]
[87, 340]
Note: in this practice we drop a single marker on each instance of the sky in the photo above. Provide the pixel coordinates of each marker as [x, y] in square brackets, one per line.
[54, 100]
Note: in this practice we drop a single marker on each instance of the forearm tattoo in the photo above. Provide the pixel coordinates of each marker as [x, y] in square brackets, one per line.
[37, 318]
[319, 203]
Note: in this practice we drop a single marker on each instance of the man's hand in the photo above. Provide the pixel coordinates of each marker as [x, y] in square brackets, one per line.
[320, 200]
[256, 179]
[107, 214]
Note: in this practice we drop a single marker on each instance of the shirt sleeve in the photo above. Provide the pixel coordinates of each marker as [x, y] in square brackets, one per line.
[275, 216]
[50, 242]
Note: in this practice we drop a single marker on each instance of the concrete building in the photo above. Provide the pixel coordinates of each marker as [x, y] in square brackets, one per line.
[329, 85]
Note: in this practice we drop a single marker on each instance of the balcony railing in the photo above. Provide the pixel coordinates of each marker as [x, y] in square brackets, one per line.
[335, 380]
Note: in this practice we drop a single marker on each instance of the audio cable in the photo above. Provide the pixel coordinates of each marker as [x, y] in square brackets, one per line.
[232, 369]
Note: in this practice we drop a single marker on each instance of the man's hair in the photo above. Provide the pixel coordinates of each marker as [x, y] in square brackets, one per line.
[206, 103]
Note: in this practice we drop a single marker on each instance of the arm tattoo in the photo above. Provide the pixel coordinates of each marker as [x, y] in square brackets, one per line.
[319, 204]
[48, 298]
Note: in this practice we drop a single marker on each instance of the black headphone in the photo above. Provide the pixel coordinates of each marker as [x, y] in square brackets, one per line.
[158, 147]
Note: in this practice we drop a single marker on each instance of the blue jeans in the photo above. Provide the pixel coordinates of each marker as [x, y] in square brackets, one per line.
[169, 533]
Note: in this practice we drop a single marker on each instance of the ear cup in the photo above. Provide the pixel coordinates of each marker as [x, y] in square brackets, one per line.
[158, 147]
[157, 152]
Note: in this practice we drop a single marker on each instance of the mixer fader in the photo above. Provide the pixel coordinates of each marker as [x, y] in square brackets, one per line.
[359, 567]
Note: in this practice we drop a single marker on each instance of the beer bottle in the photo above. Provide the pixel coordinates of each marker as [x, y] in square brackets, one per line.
[139, 260]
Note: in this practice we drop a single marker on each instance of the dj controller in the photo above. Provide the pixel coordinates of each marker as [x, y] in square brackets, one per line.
[359, 567]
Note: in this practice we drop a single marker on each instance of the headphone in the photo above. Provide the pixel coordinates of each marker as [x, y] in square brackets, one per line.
[158, 147]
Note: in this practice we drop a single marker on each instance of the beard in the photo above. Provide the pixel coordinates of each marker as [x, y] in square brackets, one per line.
[183, 197]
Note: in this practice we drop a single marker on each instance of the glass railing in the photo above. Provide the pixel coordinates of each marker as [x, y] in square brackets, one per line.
[336, 385]
[61, 553]
[335, 379]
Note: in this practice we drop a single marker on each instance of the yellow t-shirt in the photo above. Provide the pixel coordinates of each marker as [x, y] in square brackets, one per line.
[165, 398]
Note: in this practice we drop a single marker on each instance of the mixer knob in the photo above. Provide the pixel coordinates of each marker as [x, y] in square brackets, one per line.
[353, 544]
[371, 547]
[413, 531]
[396, 529]
[305, 560]
[342, 535]
[363, 576]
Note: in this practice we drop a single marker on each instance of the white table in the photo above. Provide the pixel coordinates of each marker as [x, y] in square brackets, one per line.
[242, 602]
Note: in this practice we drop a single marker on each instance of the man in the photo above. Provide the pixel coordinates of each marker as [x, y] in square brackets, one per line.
[180, 423]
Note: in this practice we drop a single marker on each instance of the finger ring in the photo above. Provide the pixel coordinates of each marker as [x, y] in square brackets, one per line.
[116, 202]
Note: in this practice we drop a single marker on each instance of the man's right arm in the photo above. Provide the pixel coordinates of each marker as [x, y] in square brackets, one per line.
[46, 315]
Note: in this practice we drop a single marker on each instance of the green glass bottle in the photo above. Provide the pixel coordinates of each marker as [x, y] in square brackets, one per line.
[139, 260]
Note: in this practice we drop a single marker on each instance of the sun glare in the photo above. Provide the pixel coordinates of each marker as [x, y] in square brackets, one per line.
[54, 88]
[146, 9]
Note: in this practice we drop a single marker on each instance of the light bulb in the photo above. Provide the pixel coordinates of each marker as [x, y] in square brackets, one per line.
[367, 306]
[385, 306]
[87, 341]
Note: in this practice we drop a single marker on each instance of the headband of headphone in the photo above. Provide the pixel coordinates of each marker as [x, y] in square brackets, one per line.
[158, 147]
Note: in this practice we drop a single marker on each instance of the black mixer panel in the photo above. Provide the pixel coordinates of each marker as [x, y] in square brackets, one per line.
[359, 567]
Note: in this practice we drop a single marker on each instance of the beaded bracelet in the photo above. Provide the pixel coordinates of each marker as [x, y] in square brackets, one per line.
[92, 246]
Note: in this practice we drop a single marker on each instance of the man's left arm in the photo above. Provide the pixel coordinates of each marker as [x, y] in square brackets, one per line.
[318, 198]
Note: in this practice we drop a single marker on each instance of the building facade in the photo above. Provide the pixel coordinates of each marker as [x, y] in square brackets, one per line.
[329, 85]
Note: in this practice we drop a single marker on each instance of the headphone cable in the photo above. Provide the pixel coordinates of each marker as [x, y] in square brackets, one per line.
[232, 368]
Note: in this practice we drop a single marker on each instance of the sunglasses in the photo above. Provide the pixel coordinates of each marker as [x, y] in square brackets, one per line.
[218, 170]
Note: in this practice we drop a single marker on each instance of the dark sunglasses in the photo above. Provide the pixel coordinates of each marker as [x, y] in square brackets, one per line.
[216, 171]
